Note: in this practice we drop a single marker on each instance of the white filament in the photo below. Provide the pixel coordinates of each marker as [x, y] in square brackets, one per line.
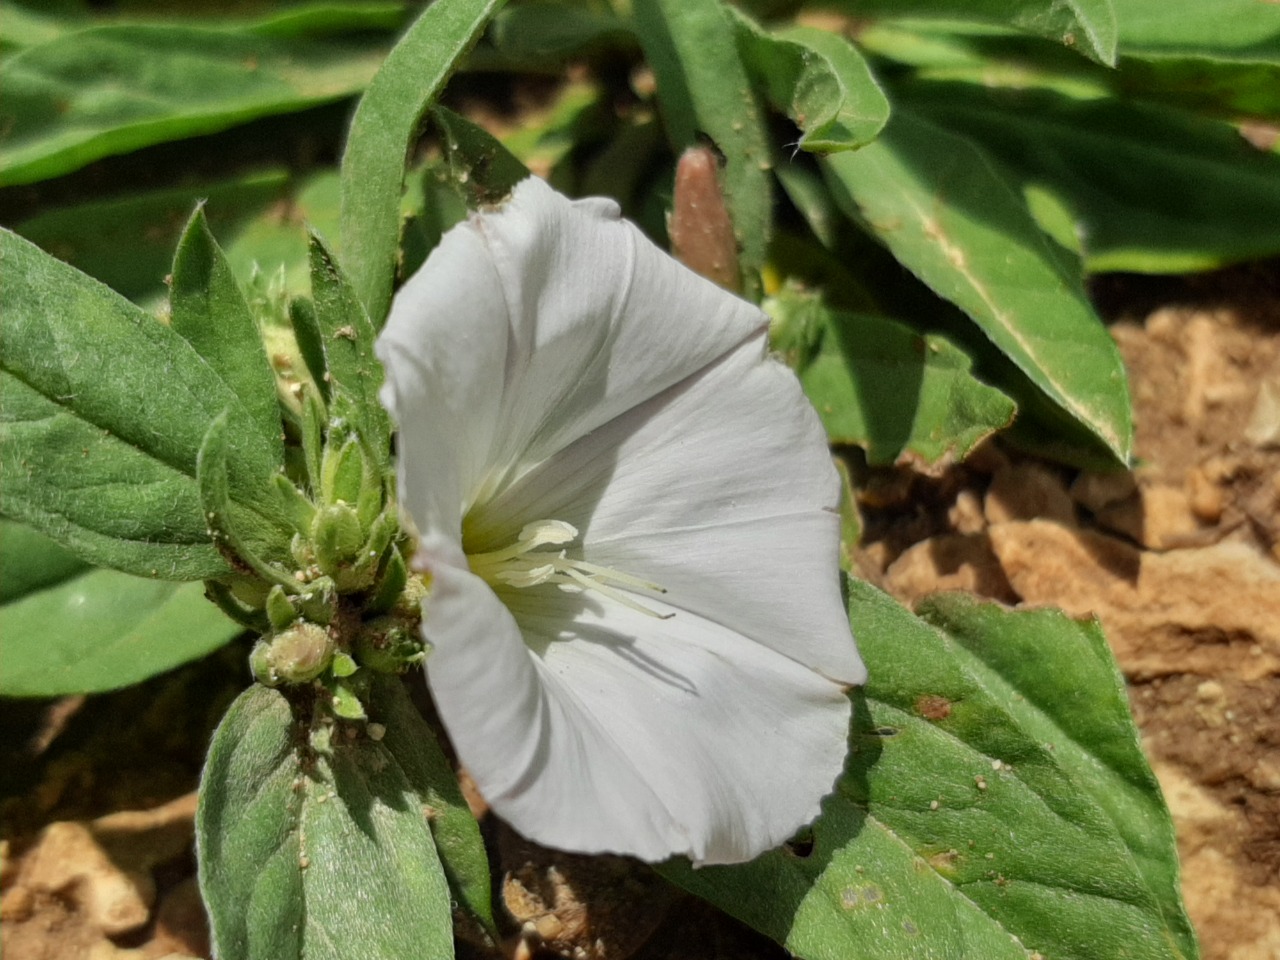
[526, 563]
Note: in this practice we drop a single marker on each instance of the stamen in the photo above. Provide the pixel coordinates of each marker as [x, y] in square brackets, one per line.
[524, 564]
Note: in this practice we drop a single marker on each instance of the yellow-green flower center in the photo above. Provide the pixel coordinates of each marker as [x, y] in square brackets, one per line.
[538, 557]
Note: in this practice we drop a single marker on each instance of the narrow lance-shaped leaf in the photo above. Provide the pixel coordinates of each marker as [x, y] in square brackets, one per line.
[208, 310]
[382, 131]
[1088, 26]
[703, 88]
[886, 388]
[346, 336]
[235, 533]
[113, 88]
[1224, 31]
[996, 804]
[955, 221]
[103, 413]
[300, 818]
[1151, 188]
[67, 628]
[456, 833]
[819, 80]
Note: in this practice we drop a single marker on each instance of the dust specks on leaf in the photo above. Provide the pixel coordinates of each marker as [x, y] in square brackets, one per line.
[853, 898]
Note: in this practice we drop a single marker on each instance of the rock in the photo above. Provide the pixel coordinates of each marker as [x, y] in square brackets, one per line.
[1096, 491]
[1204, 611]
[1026, 491]
[69, 861]
[1159, 518]
[1217, 895]
[952, 561]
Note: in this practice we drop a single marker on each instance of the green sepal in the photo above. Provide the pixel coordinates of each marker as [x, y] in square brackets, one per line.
[361, 574]
[306, 332]
[394, 577]
[298, 510]
[280, 612]
[320, 602]
[345, 696]
[336, 538]
[314, 418]
[343, 473]
[343, 665]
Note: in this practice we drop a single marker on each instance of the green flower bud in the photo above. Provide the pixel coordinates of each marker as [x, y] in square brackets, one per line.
[343, 472]
[280, 611]
[301, 653]
[320, 603]
[389, 645]
[336, 537]
[260, 664]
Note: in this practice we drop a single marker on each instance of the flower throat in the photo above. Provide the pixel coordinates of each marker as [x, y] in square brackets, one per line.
[538, 557]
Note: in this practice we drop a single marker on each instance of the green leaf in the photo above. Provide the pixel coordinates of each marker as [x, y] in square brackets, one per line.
[347, 336]
[209, 312]
[110, 89]
[382, 132]
[30, 561]
[484, 170]
[703, 88]
[544, 35]
[127, 242]
[955, 221]
[1152, 189]
[996, 804]
[313, 843]
[238, 534]
[1092, 731]
[1087, 26]
[456, 833]
[1224, 30]
[102, 413]
[886, 388]
[102, 630]
[819, 80]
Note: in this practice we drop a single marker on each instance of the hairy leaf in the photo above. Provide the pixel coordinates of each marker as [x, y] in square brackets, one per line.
[313, 842]
[1151, 188]
[113, 88]
[383, 130]
[958, 223]
[882, 386]
[102, 414]
[996, 804]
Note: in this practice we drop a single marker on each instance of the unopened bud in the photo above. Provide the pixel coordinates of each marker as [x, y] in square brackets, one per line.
[336, 537]
[301, 653]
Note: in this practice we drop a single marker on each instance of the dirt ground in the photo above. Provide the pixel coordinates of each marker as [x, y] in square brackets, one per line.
[1180, 559]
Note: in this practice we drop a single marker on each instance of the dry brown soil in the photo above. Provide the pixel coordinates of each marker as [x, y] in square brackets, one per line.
[1180, 559]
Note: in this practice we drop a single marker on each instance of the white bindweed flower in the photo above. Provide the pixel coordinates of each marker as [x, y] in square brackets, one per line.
[628, 514]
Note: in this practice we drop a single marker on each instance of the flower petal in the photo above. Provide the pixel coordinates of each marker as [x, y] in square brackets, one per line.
[615, 732]
[541, 321]
[721, 490]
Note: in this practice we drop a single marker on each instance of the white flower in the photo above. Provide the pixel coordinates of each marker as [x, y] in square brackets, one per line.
[628, 514]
